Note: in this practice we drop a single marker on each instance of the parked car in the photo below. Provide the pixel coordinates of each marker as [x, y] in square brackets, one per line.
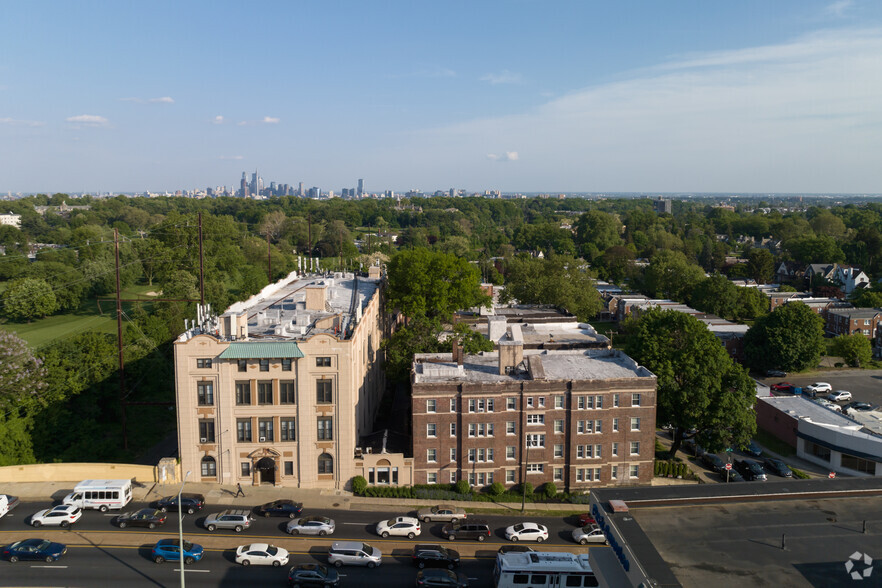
[261, 554]
[311, 526]
[429, 555]
[478, 530]
[731, 476]
[354, 553]
[237, 520]
[589, 534]
[827, 404]
[400, 527]
[190, 503]
[34, 549]
[63, 515]
[819, 387]
[441, 579]
[511, 548]
[859, 406]
[753, 449]
[778, 467]
[782, 387]
[280, 508]
[776, 374]
[170, 550]
[839, 396]
[313, 575]
[527, 532]
[443, 513]
[713, 461]
[751, 470]
[586, 518]
[146, 517]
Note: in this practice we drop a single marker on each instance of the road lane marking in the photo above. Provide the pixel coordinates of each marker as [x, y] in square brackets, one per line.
[192, 570]
[362, 524]
[52, 567]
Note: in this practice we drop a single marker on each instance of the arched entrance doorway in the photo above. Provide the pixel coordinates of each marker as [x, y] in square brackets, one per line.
[266, 470]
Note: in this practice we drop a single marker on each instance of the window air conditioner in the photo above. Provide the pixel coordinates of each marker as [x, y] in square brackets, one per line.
[263, 439]
[203, 440]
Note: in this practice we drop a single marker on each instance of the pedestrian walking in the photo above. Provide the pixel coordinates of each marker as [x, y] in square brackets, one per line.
[239, 491]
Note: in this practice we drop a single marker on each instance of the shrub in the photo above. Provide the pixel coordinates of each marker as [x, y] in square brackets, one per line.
[549, 490]
[496, 489]
[462, 487]
[799, 474]
[359, 484]
[526, 489]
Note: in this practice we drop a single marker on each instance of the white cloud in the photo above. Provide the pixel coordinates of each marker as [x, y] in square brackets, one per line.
[270, 120]
[503, 77]
[218, 120]
[236, 157]
[839, 8]
[88, 119]
[798, 116]
[507, 156]
[21, 123]
[162, 100]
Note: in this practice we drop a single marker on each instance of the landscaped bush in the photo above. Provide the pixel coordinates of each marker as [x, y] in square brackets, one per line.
[799, 474]
[672, 469]
[496, 489]
[462, 487]
[359, 484]
[526, 489]
[549, 490]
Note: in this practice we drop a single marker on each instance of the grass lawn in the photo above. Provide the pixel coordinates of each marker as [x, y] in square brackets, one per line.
[85, 318]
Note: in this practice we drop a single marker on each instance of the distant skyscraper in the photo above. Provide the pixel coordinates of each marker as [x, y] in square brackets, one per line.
[243, 186]
[300, 189]
[360, 187]
[255, 189]
[662, 206]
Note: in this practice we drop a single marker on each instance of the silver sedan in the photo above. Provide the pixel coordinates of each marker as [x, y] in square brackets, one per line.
[311, 526]
[442, 512]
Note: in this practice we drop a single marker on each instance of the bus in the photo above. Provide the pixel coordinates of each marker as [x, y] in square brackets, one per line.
[543, 569]
[101, 494]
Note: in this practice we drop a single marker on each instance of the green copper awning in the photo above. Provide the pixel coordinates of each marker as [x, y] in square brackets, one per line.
[261, 350]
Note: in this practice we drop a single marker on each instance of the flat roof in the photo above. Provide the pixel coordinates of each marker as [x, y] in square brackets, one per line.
[799, 407]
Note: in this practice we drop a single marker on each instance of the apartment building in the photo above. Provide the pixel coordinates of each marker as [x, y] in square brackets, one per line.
[851, 321]
[280, 388]
[576, 417]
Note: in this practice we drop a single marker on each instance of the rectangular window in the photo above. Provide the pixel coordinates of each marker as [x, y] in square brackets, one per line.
[558, 474]
[541, 400]
[325, 428]
[635, 423]
[264, 393]
[245, 468]
[510, 428]
[535, 468]
[431, 405]
[597, 452]
[535, 419]
[286, 425]
[453, 454]
[322, 362]
[471, 478]
[432, 478]
[481, 455]
[858, 464]
[558, 402]
[206, 431]
[529, 402]
[489, 429]
[615, 425]
[243, 430]
[431, 455]
[634, 471]
[205, 393]
[615, 449]
[535, 440]
[510, 403]
[596, 474]
[289, 468]
[598, 427]
[243, 365]
[580, 475]
[453, 405]
[265, 430]
[453, 476]
[286, 367]
[558, 425]
[472, 454]
[635, 399]
[580, 402]
[473, 429]
[286, 393]
[614, 472]
[264, 365]
[509, 476]
[453, 429]
[489, 405]
[243, 393]
[473, 405]
[599, 402]
[323, 392]
[635, 447]
[817, 450]
[558, 450]
[431, 430]
[589, 402]
[615, 400]
[580, 427]
[203, 363]
[580, 451]
[510, 452]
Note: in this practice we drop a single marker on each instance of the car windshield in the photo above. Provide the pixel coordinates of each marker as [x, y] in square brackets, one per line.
[587, 530]
[391, 522]
[272, 550]
[367, 548]
[519, 527]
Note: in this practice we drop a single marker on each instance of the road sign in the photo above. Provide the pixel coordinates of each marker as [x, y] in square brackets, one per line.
[832, 475]
[728, 466]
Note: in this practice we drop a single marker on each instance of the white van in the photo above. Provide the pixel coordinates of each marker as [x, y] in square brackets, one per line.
[101, 494]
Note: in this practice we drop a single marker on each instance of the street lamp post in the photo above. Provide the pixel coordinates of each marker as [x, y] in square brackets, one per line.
[526, 471]
[181, 529]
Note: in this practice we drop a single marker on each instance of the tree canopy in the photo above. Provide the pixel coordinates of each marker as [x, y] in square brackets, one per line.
[28, 298]
[790, 338]
[559, 280]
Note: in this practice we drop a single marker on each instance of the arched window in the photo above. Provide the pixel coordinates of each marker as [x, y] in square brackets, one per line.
[209, 467]
[325, 464]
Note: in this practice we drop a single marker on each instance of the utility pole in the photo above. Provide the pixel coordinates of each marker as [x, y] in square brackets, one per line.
[119, 342]
[201, 265]
[269, 258]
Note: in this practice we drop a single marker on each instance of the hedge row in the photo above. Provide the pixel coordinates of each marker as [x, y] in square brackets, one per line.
[672, 469]
[496, 492]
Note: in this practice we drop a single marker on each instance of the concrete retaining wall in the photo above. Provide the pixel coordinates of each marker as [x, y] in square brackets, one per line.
[75, 472]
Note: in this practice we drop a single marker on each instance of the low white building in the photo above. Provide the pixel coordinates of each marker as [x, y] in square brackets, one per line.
[13, 220]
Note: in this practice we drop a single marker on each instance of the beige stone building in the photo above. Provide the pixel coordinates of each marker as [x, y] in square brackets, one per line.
[280, 388]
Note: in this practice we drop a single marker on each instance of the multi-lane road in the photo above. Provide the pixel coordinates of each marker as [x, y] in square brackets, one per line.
[101, 554]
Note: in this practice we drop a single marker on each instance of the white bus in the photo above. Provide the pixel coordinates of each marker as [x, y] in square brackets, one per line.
[101, 494]
[548, 569]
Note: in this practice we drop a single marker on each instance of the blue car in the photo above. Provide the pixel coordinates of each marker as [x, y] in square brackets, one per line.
[31, 549]
[169, 550]
[281, 508]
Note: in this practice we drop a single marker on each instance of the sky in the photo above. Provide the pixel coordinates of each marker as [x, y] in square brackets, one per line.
[517, 95]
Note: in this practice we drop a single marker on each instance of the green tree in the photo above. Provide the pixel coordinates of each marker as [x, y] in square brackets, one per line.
[761, 265]
[790, 338]
[28, 298]
[716, 295]
[419, 335]
[699, 386]
[560, 280]
[670, 275]
[600, 229]
[432, 284]
[22, 392]
[868, 299]
[856, 350]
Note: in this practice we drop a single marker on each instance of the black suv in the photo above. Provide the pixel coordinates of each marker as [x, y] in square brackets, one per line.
[750, 470]
[427, 555]
[190, 503]
[280, 508]
[479, 530]
[441, 579]
[313, 575]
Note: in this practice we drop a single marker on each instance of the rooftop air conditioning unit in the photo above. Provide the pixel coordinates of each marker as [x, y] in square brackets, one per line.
[263, 439]
[203, 440]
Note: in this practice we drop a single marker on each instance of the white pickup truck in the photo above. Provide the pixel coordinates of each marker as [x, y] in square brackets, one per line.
[7, 503]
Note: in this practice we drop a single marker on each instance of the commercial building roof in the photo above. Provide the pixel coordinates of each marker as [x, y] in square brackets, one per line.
[262, 350]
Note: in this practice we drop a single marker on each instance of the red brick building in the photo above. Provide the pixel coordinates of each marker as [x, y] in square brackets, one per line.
[848, 321]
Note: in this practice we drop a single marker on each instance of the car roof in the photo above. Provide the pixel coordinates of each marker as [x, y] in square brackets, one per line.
[255, 547]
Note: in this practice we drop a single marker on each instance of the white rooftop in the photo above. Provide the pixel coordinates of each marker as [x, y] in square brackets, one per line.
[802, 408]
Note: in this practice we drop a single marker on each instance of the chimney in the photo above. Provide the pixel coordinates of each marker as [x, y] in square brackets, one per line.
[457, 352]
[316, 296]
[496, 326]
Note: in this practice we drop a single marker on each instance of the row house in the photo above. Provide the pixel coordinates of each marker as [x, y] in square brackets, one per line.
[849, 321]
[577, 418]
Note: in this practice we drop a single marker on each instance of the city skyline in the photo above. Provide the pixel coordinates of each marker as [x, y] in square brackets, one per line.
[511, 96]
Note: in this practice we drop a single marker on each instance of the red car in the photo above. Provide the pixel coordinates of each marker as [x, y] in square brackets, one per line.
[586, 519]
[782, 387]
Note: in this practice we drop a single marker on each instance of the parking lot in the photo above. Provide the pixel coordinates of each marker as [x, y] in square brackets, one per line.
[864, 385]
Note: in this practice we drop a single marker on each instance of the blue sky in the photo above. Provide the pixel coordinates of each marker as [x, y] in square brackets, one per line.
[518, 95]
